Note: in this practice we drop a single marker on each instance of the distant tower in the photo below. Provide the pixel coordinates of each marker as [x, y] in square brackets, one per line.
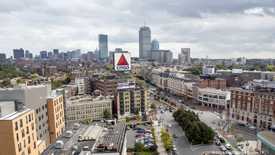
[154, 45]
[145, 43]
[103, 46]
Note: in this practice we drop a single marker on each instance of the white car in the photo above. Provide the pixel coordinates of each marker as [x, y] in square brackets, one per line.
[252, 127]
[228, 147]
[235, 153]
[169, 125]
[222, 148]
[228, 153]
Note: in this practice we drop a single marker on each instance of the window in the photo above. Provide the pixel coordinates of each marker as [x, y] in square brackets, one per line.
[32, 126]
[16, 126]
[17, 137]
[34, 145]
[27, 130]
[37, 111]
[21, 124]
[29, 117]
[29, 139]
[19, 147]
[24, 143]
[26, 119]
[23, 133]
[42, 107]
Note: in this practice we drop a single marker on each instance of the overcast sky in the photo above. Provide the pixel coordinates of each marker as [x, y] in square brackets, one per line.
[219, 29]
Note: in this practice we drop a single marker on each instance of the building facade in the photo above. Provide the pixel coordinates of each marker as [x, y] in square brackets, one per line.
[55, 107]
[154, 45]
[145, 43]
[18, 53]
[18, 133]
[266, 142]
[184, 56]
[126, 101]
[103, 46]
[249, 106]
[80, 109]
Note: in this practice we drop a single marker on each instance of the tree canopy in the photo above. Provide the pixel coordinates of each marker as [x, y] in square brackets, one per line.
[107, 114]
[194, 70]
[8, 71]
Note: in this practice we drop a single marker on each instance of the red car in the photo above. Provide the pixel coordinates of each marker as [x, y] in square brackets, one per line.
[167, 130]
[147, 131]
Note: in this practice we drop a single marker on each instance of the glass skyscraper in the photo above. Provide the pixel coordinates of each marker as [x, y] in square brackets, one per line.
[155, 45]
[103, 46]
[145, 43]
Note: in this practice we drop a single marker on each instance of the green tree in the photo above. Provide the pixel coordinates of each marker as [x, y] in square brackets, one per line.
[6, 82]
[145, 116]
[35, 75]
[139, 147]
[219, 67]
[128, 119]
[153, 106]
[140, 82]
[240, 139]
[270, 68]
[232, 127]
[18, 81]
[165, 99]
[194, 70]
[138, 117]
[107, 114]
[137, 111]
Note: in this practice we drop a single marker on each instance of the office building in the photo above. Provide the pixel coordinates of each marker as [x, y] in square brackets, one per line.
[206, 70]
[55, 107]
[33, 97]
[50, 70]
[145, 43]
[18, 130]
[154, 45]
[2, 56]
[83, 85]
[90, 56]
[43, 55]
[77, 53]
[96, 54]
[50, 54]
[163, 56]
[248, 106]
[83, 108]
[127, 100]
[184, 56]
[103, 46]
[18, 53]
[55, 51]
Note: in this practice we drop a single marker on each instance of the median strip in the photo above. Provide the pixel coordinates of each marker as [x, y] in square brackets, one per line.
[232, 147]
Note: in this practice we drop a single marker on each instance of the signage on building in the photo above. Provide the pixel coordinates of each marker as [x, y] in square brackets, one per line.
[126, 85]
[122, 61]
[237, 71]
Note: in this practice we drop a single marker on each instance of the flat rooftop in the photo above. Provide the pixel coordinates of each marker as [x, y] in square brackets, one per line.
[14, 115]
[268, 137]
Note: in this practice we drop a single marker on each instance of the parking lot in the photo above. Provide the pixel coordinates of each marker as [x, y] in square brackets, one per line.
[131, 135]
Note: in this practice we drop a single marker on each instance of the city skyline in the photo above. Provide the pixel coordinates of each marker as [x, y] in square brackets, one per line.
[219, 30]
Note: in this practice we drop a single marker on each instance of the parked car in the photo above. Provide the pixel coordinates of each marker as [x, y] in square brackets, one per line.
[235, 153]
[219, 136]
[140, 131]
[241, 124]
[143, 119]
[222, 140]
[228, 147]
[218, 143]
[222, 148]
[145, 124]
[147, 131]
[169, 125]
[175, 135]
[252, 127]
[127, 128]
[228, 153]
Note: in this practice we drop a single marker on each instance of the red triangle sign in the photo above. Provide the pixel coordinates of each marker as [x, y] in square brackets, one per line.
[122, 61]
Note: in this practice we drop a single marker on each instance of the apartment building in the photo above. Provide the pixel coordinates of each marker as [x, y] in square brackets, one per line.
[83, 85]
[33, 97]
[127, 100]
[109, 86]
[248, 106]
[265, 75]
[56, 116]
[214, 98]
[18, 130]
[83, 108]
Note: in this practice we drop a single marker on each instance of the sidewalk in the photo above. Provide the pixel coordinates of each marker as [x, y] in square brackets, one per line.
[161, 149]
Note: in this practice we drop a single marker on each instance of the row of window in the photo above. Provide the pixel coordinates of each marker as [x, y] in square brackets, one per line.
[28, 118]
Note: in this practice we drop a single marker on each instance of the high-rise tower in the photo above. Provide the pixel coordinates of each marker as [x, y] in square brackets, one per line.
[145, 43]
[103, 46]
[155, 45]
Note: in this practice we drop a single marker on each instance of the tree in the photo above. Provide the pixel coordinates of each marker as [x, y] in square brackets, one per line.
[232, 127]
[240, 139]
[107, 114]
[194, 70]
[138, 117]
[137, 111]
[140, 82]
[145, 116]
[153, 106]
[127, 119]
[35, 75]
[139, 147]
[270, 68]
[18, 81]
[165, 99]
[6, 82]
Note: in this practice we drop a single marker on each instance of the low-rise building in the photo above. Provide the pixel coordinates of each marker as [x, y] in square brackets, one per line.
[84, 108]
[266, 142]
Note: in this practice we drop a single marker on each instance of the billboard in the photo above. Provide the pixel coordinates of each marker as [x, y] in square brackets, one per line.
[122, 61]
[237, 71]
[126, 85]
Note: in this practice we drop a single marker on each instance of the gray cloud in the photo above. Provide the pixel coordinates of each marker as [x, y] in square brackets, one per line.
[229, 28]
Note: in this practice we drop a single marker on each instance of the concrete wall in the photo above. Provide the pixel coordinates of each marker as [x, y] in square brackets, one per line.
[7, 108]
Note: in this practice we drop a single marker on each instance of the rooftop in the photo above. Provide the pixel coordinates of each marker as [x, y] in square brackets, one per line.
[267, 136]
[14, 115]
[86, 99]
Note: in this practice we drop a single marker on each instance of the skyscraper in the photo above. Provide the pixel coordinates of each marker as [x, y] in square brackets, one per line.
[184, 56]
[43, 54]
[154, 45]
[18, 53]
[145, 43]
[103, 46]
[96, 54]
[55, 51]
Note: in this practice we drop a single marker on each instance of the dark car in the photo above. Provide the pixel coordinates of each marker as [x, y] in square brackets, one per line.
[222, 140]
[241, 124]
[140, 131]
[175, 135]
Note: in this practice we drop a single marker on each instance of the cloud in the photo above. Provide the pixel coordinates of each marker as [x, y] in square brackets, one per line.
[219, 29]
